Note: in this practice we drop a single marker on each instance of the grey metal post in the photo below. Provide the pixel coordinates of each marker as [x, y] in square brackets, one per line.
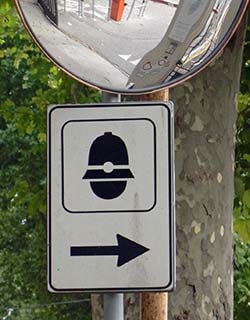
[113, 306]
[113, 302]
[93, 9]
[109, 10]
[80, 5]
[110, 97]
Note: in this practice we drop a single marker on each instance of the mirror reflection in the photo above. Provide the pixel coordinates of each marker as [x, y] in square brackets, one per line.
[130, 45]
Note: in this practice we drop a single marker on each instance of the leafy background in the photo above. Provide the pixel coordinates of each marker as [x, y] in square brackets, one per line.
[28, 84]
[242, 193]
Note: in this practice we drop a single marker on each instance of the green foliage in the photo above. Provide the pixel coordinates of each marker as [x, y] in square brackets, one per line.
[242, 195]
[242, 179]
[242, 280]
[28, 83]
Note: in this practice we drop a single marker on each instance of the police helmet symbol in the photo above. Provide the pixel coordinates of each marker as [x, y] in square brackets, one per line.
[108, 166]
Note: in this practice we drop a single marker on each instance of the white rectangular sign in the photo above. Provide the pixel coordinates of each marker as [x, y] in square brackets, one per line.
[111, 198]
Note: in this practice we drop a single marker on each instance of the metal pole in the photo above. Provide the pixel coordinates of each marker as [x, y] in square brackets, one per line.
[80, 8]
[109, 10]
[113, 302]
[110, 97]
[93, 9]
[113, 306]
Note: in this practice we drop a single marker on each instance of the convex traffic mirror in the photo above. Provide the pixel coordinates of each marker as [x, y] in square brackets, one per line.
[131, 46]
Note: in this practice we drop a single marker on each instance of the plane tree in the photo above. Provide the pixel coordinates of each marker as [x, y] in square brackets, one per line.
[206, 111]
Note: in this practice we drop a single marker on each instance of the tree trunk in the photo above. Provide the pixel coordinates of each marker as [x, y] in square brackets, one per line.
[205, 115]
[97, 307]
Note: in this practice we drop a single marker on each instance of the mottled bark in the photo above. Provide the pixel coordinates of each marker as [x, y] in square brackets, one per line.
[97, 306]
[132, 306]
[205, 115]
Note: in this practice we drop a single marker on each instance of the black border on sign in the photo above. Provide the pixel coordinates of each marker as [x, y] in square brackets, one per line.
[109, 120]
[171, 284]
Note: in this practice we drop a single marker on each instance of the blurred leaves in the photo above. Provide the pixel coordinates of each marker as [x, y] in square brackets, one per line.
[28, 84]
[242, 195]
[241, 279]
[242, 170]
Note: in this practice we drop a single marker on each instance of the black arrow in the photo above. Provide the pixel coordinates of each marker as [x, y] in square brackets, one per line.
[126, 250]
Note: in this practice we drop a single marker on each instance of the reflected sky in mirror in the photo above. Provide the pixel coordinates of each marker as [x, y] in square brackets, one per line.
[130, 45]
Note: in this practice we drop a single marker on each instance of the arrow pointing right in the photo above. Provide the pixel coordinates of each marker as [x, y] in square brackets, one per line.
[126, 250]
